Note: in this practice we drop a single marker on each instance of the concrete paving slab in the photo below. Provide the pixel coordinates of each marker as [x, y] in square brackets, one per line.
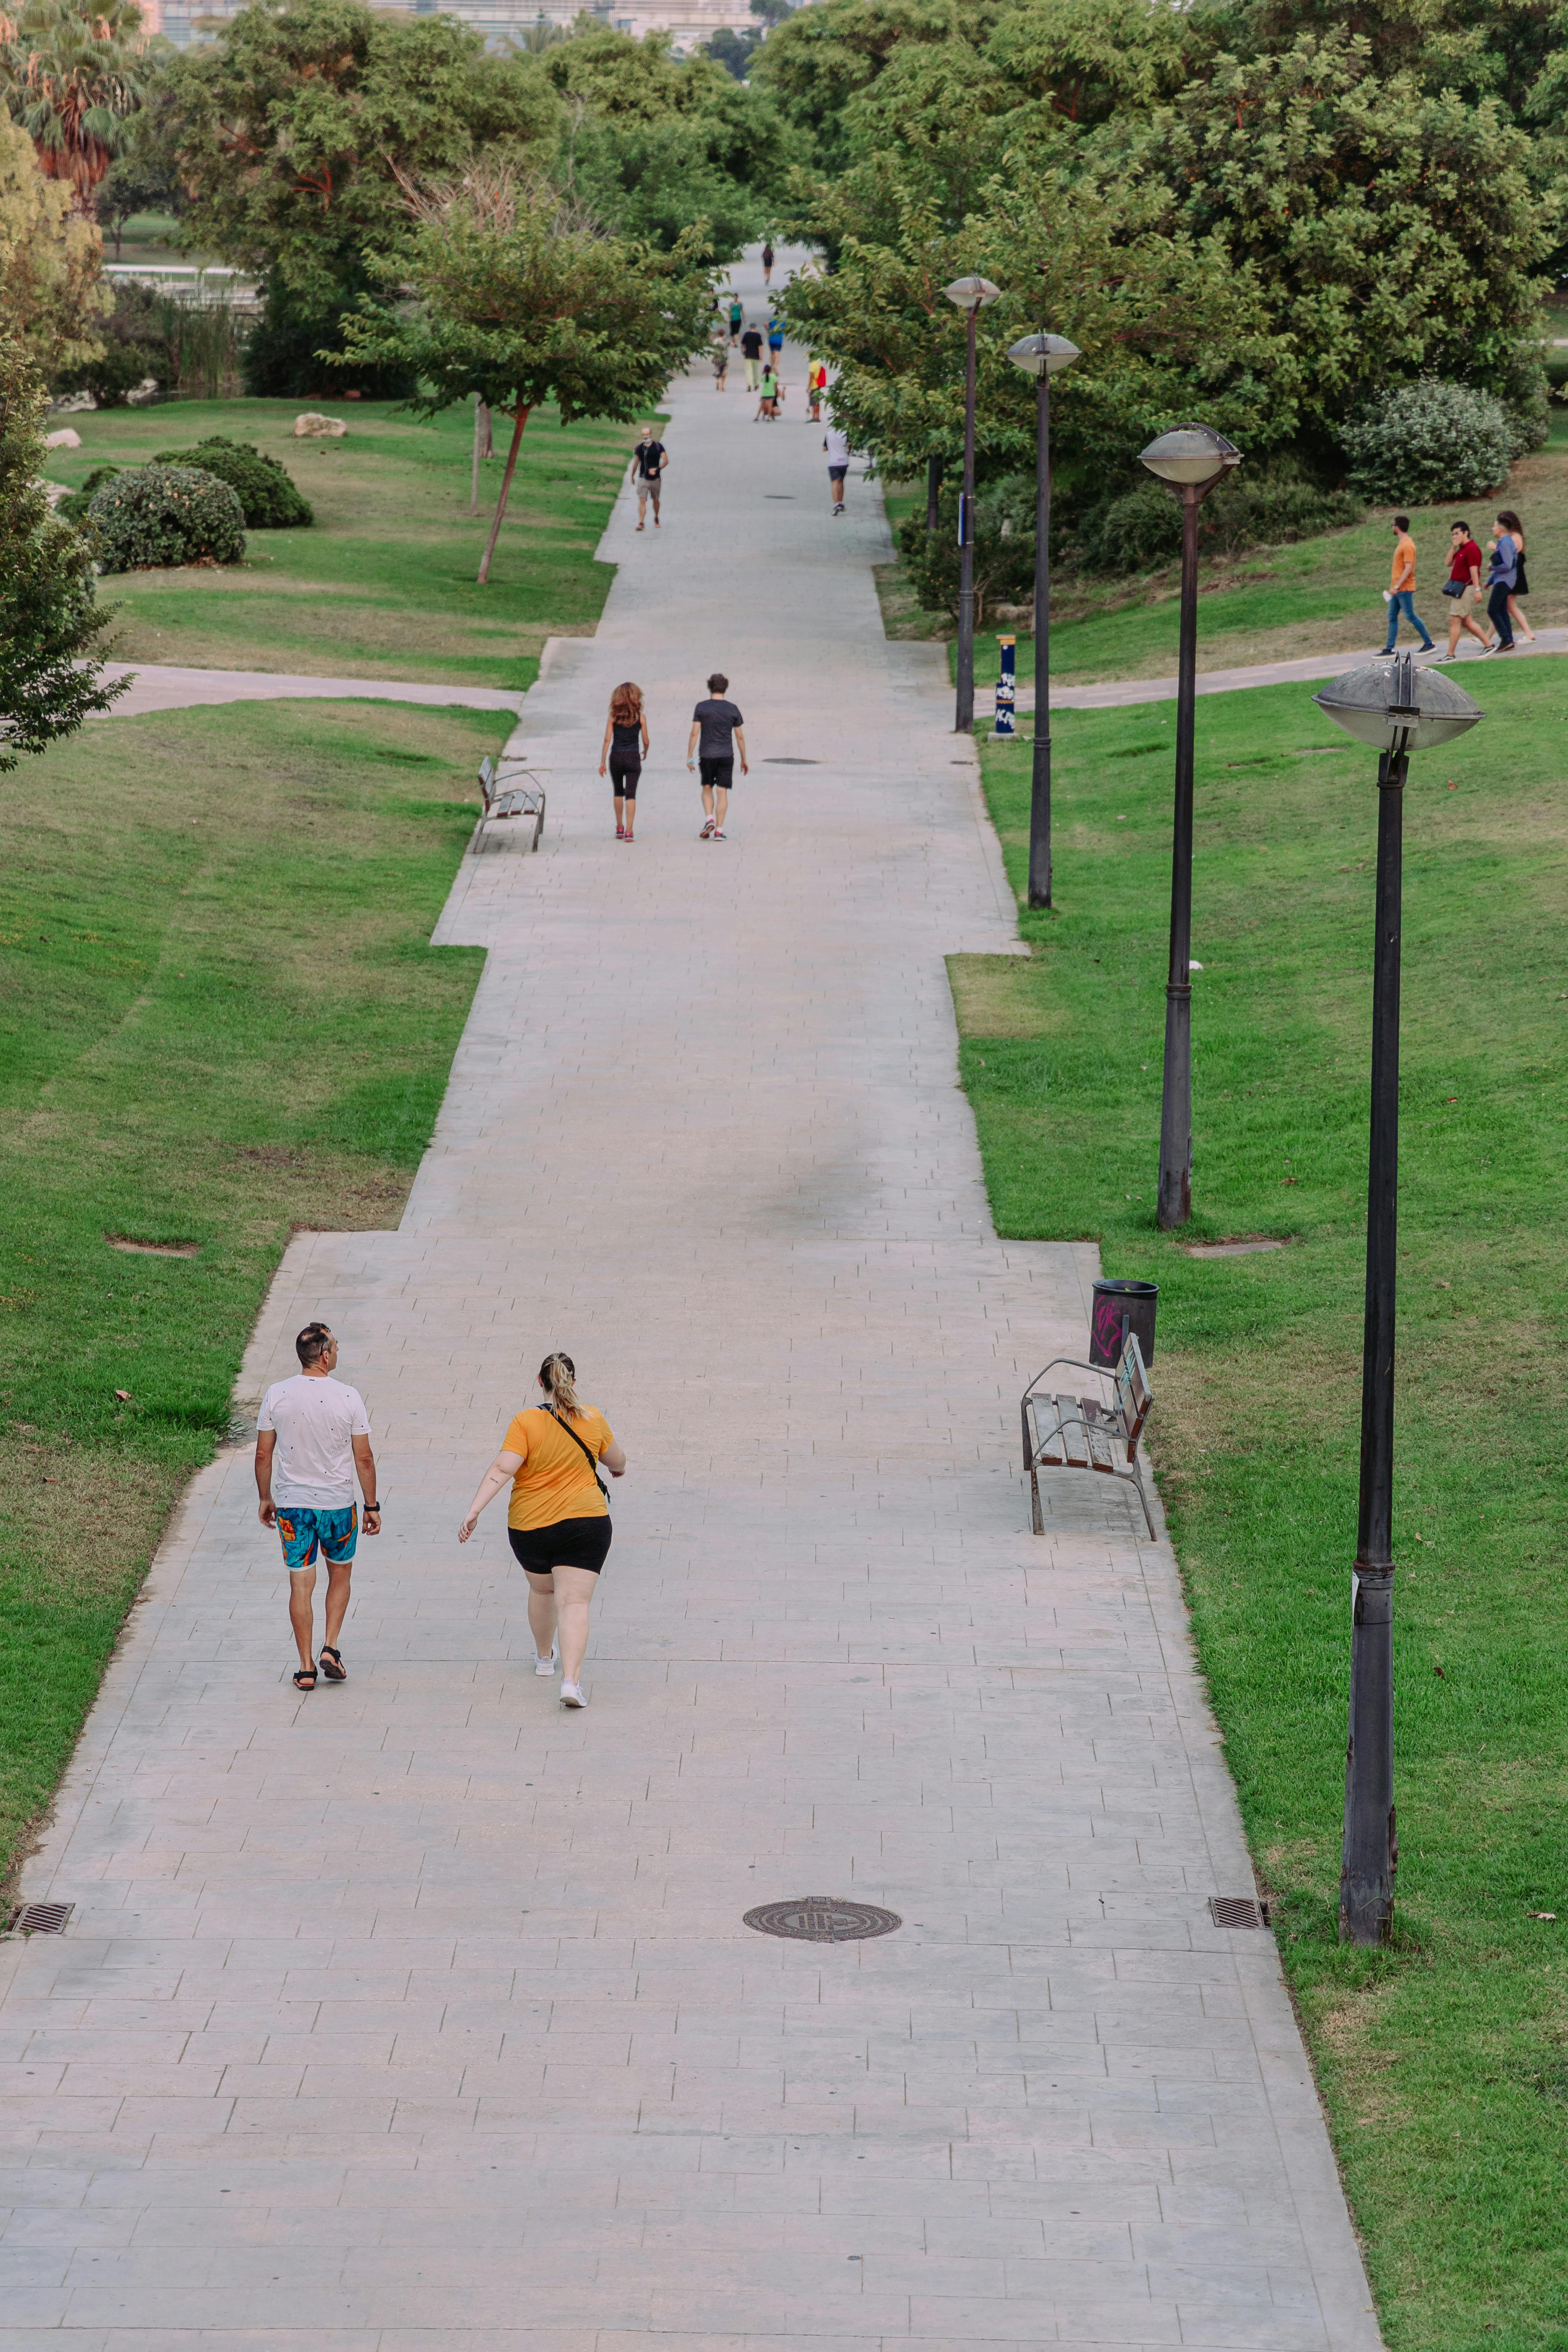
[418, 2014]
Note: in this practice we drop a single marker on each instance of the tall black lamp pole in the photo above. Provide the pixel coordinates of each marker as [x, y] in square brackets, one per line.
[1191, 459]
[1042, 356]
[1401, 709]
[971, 294]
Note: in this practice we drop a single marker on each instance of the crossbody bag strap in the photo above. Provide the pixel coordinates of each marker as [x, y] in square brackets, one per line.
[590, 1458]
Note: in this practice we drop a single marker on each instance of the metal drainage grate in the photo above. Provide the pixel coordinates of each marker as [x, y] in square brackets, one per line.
[1239, 1911]
[783, 759]
[822, 1919]
[42, 1919]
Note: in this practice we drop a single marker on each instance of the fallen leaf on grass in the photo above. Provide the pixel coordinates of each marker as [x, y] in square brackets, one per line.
[124, 1396]
[1540, 1915]
[1440, 1675]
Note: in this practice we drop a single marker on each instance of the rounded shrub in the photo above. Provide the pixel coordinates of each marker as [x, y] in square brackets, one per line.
[157, 515]
[1419, 442]
[264, 489]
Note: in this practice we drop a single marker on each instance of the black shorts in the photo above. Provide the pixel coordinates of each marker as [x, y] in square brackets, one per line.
[717, 775]
[626, 769]
[836, 473]
[570, 1543]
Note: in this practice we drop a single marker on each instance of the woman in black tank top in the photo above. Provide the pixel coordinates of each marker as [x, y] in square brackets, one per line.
[622, 751]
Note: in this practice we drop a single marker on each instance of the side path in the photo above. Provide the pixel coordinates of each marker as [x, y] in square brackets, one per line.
[162, 686]
[418, 2014]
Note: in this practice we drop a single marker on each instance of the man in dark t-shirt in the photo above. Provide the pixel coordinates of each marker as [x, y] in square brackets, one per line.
[717, 729]
[649, 459]
[751, 353]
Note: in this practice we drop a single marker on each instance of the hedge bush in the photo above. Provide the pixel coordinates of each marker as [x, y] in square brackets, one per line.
[1418, 444]
[1268, 504]
[1004, 548]
[75, 508]
[264, 489]
[158, 515]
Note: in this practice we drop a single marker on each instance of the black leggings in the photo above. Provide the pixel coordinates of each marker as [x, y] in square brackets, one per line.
[625, 769]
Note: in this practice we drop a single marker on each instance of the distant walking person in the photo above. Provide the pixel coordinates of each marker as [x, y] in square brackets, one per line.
[720, 357]
[313, 1437]
[558, 1521]
[1515, 529]
[736, 316]
[767, 265]
[817, 389]
[751, 353]
[768, 405]
[622, 750]
[1462, 586]
[649, 459]
[775, 338]
[836, 445]
[1402, 588]
[1501, 582]
[718, 730]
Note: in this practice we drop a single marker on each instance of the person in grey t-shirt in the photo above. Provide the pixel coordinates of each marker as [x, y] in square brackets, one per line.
[717, 729]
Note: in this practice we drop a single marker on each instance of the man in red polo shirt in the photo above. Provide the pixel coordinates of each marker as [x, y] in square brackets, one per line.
[1464, 569]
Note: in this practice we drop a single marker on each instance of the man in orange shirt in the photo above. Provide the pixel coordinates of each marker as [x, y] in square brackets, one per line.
[1402, 588]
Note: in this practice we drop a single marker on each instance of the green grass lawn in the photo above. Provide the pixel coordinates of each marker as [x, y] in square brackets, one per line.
[1322, 595]
[1444, 2060]
[220, 1018]
[382, 584]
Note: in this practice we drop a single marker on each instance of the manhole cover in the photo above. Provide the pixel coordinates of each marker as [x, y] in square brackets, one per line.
[822, 1919]
[1238, 1911]
[41, 1918]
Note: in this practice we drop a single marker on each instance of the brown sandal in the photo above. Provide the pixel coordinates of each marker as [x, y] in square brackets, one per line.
[333, 1666]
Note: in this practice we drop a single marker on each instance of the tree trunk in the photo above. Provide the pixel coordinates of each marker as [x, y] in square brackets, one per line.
[487, 439]
[521, 419]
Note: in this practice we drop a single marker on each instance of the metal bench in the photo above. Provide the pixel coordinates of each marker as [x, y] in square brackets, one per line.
[1084, 1433]
[517, 795]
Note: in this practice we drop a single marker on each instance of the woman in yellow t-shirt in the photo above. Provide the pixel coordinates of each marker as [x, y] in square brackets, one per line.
[559, 1517]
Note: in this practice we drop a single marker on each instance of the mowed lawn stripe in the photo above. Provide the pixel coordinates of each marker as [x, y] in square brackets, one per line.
[1444, 2060]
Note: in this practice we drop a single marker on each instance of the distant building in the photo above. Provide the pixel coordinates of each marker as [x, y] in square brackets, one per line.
[689, 22]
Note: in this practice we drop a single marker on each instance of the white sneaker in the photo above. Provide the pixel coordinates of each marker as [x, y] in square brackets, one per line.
[572, 1694]
[546, 1666]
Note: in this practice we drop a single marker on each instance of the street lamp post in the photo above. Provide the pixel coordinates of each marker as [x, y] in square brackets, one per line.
[1191, 460]
[1042, 356]
[1400, 710]
[972, 296]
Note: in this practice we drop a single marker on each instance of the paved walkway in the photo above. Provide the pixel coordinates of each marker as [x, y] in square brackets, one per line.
[162, 686]
[421, 2014]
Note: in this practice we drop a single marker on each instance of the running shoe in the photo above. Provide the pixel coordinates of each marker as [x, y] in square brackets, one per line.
[707, 831]
[620, 832]
[546, 1666]
[572, 1694]
[720, 836]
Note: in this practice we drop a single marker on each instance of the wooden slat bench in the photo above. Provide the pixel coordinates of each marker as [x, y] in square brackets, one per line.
[521, 795]
[1062, 1431]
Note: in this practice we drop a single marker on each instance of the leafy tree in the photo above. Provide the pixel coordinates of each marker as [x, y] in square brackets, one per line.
[522, 298]
[52, 295]
[1166, 323]
[1393, 231]
[50, 670]
[73, 75]
[734, 51]
[824, 56]
[132, 185]
[654, 180]
[290, 130]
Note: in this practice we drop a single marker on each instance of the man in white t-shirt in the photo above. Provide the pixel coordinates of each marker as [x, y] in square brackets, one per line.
[836, 445]
[312, 1436]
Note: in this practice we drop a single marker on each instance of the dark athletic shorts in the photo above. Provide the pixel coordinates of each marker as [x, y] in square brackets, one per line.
[626, 769]
[570, 1543]
[836, 473]
[718, 774]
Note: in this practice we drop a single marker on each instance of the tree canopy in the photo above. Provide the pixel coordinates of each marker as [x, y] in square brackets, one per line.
[50, 668]
[53, 299]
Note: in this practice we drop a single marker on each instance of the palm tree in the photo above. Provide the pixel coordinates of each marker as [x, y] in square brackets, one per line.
[70, 70]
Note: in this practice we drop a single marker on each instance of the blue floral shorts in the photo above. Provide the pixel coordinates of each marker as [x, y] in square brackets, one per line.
[335, 1533]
